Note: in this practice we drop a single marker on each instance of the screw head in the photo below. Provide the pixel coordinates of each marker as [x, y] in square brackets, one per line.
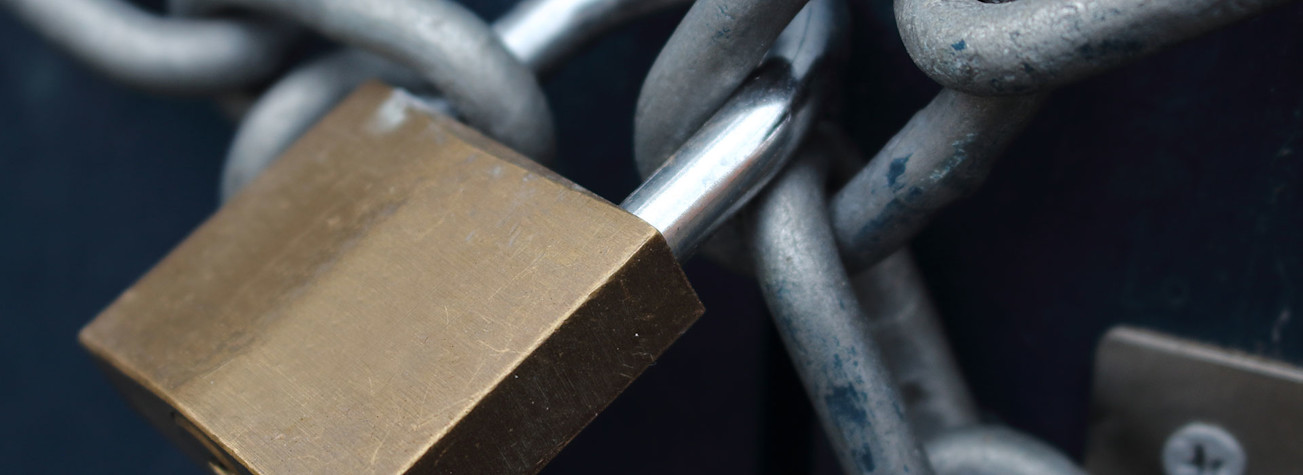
[1199, 448]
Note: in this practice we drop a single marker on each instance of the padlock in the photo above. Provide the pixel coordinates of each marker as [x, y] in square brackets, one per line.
[399, 291]
[400, 294]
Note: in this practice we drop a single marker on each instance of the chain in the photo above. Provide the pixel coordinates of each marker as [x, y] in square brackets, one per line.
[540, 33]
[459, 54]
[737, 80]
[944, 152]
[824, 327]
[1022, 47]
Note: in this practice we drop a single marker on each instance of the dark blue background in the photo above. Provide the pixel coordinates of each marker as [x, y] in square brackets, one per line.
[1164, 194]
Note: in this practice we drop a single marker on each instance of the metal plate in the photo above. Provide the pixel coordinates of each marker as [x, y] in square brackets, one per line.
[1148, 385]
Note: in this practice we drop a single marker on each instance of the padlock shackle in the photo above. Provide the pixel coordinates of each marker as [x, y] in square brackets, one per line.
[747, 141]
[712, 52]
[169, 55]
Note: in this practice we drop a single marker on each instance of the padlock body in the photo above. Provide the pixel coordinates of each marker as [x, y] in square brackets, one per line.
[397, 294]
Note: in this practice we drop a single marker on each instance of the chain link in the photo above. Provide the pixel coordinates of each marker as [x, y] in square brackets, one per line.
[1022, 47]
[540, 33]
[446, 44]
[824, 328]
[169, 55]
[944, 152]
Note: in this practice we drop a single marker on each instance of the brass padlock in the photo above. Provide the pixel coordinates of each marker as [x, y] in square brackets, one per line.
[396, 294]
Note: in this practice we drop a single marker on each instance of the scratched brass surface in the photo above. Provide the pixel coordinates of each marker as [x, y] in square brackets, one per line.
[397, 294]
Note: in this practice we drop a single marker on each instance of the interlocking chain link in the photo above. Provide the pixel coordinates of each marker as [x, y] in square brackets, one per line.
[540, 33]
[824, 328]
[1022, 47]
[170, 55]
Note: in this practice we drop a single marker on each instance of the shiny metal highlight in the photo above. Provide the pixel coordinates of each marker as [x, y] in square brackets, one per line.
[723, 166]
[747, 140]
[711, 52]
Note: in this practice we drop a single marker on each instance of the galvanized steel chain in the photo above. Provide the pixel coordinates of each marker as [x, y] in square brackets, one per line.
[945, 151]
[739, 81]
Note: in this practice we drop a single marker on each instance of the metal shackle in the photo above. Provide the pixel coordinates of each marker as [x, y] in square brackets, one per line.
[441, 40]
[748, 138]
[540, 33]
[1024, 46]
[172, 55]
[712, 51]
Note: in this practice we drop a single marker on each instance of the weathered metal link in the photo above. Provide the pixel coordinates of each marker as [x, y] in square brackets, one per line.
[541, 33]
[905, 324]
[943, 152]
[1026, 46]
[448, 45]
[171, 55]
[993, 450]
[711, 52]
[823, 327]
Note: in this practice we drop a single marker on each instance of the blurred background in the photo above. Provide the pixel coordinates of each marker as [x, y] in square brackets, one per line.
[1165, 194]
